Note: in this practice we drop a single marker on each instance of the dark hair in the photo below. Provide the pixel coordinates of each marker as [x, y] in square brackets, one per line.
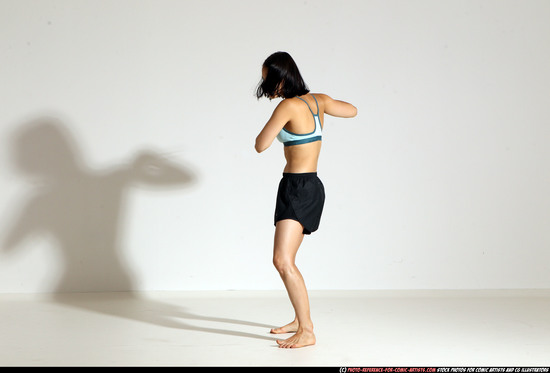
[283, 78]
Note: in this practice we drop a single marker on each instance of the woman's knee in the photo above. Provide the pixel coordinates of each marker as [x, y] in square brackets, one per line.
[283, 264]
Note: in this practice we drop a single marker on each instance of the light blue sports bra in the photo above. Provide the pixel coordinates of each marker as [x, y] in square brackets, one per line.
[290, 138]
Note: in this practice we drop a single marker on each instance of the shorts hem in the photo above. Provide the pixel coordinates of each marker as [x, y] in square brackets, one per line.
[304, 229]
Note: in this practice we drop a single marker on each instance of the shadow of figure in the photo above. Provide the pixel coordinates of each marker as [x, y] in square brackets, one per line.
[139, 307]
[81, 210]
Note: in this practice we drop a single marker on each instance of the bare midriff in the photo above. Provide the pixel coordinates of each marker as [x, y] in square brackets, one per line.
[302, 158]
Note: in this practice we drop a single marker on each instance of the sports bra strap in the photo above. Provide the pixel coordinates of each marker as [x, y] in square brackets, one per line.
[309, 106]
[316, 103]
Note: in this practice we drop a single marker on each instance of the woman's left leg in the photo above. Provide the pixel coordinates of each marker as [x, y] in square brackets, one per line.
[288, 237]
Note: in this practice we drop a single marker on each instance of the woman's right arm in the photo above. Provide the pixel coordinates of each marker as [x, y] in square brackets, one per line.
[338, 108]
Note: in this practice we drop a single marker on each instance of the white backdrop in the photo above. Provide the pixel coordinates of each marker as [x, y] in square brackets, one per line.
[127, 132]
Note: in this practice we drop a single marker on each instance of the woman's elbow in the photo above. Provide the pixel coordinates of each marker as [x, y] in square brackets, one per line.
[259, 147]
[353, 112]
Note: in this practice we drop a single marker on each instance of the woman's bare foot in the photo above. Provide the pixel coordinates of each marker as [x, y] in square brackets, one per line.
[288, 328]
[302, 338]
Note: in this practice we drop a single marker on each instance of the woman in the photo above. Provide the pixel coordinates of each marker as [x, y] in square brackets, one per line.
[297, 122]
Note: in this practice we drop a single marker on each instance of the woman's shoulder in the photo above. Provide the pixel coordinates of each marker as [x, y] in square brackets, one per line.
[289, 103]
[296, 102]
[321, 96]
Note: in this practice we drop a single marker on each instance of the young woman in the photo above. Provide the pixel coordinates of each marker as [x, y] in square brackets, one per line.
[297, 122]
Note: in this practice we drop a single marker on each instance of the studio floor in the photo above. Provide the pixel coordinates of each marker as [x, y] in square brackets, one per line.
[353, 328]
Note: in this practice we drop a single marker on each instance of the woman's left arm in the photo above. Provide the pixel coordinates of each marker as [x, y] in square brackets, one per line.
[280, 117]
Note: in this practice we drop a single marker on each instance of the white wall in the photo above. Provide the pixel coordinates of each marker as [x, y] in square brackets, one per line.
[441, 181]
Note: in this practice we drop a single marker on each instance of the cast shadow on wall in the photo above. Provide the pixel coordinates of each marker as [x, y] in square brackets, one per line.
[81, 210]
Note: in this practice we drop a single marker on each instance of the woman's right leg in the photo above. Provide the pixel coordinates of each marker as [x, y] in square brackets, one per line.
[288, 238]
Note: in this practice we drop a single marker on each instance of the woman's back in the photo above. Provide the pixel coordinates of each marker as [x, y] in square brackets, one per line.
[307, 119]
[304, 128]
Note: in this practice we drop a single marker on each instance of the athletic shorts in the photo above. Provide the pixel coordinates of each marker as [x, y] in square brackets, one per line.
[301, 197]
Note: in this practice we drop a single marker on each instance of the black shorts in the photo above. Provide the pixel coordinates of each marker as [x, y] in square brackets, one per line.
[301, 197]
